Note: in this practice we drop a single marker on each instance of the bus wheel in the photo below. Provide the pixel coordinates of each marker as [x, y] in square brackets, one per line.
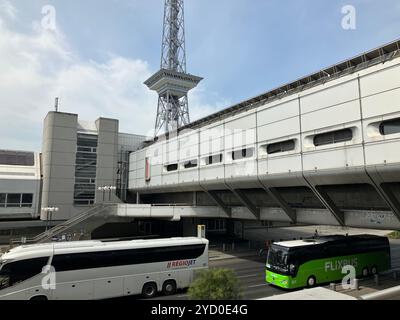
[365, 272]
[169, 287]
[149, 290]
[311, 282]
[374, 270]
[39, 298]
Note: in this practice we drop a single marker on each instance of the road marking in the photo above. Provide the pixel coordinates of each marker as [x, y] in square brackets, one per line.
[248, 276]
[183, 296]
[257, 285]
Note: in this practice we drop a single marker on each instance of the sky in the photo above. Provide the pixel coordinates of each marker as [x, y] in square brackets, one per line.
[96, 54]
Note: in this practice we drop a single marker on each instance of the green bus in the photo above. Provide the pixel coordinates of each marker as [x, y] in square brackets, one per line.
[309, 262]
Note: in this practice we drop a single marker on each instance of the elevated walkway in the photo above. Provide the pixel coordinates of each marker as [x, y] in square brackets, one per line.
[81, 226]
[352, 218]
[77, 228]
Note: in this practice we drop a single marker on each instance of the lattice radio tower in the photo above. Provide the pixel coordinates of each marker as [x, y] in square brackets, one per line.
[172, 82]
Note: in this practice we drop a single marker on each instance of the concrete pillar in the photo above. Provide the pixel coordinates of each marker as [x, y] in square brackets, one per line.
[230, 227]
[376, 279]
[189, 227]
[356, 284]
[58, 163]
[137, 198]
[107, 156]
[194, 199]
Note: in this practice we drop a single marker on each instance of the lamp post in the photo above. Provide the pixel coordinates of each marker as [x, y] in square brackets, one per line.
[104, 189]
[49, 212]
[112, 189]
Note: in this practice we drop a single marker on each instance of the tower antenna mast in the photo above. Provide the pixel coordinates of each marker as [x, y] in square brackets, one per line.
[172, 82]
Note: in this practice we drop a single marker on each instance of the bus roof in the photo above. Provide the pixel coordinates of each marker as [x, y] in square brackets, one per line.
[298, 243]
[322, 239]
[46, 249]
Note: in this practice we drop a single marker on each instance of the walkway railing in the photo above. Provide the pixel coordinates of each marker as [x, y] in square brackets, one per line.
[62, 227]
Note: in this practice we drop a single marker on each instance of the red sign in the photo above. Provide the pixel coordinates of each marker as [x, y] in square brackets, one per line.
[180, 264]
[147, 172]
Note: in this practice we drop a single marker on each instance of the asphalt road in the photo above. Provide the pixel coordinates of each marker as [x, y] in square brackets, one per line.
[251, 273]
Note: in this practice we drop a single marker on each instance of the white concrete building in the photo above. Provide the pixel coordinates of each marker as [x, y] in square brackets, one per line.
[323, 149]
[77, 158]
[19, 184]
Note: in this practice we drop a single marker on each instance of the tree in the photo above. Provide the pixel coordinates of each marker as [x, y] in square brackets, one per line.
[215, 284]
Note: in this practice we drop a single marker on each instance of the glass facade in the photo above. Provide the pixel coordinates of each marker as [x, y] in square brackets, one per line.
[190, 164]
[213, 159]
[16, 200]
[17, 158]
[171, 167]
[280, 147]
[390, 127]
[214, 225]
[243, 154]
[85, 169]
[333, 137]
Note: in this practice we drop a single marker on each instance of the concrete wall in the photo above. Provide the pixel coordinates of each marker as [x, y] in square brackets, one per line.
[58, 158]
[20, 180]
[359, 102]
[107, 156]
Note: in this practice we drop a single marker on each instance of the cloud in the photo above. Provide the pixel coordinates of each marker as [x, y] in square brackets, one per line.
[40, 65]
[8, 10]
[198, 105]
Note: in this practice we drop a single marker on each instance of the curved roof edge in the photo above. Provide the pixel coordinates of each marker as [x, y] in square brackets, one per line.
[360, 62]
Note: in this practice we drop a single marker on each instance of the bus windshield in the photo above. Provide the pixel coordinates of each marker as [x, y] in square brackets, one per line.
[278, 259]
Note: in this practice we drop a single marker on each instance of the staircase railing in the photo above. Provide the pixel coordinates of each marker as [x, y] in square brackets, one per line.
[49, 234]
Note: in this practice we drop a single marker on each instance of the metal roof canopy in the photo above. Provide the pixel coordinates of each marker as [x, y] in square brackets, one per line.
[365, 60]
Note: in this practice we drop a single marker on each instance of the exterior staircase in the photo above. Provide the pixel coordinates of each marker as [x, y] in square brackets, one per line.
[77, 228]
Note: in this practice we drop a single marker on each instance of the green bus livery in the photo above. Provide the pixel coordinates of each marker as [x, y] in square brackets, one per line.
[308, 262]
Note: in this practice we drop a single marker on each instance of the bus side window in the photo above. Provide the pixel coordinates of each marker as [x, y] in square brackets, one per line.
[365, 246]
[337, 249]
[20, 271]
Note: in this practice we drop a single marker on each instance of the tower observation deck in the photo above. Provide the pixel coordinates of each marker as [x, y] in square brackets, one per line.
[172, 82]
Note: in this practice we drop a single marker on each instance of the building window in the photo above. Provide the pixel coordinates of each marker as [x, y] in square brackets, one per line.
[333, 137]
[17, 158]
[215, 225]
[171, 167]
[243, 154]
[190, 164]
[87, 149]
[13, 200]
[390, 127]
[3, 198]
[213, 159]
[85, 169]
[16, 200]
[27, 200]
[280, 147]
[145, 227]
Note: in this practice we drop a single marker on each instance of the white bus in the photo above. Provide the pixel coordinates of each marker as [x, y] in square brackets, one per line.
[101, 270]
